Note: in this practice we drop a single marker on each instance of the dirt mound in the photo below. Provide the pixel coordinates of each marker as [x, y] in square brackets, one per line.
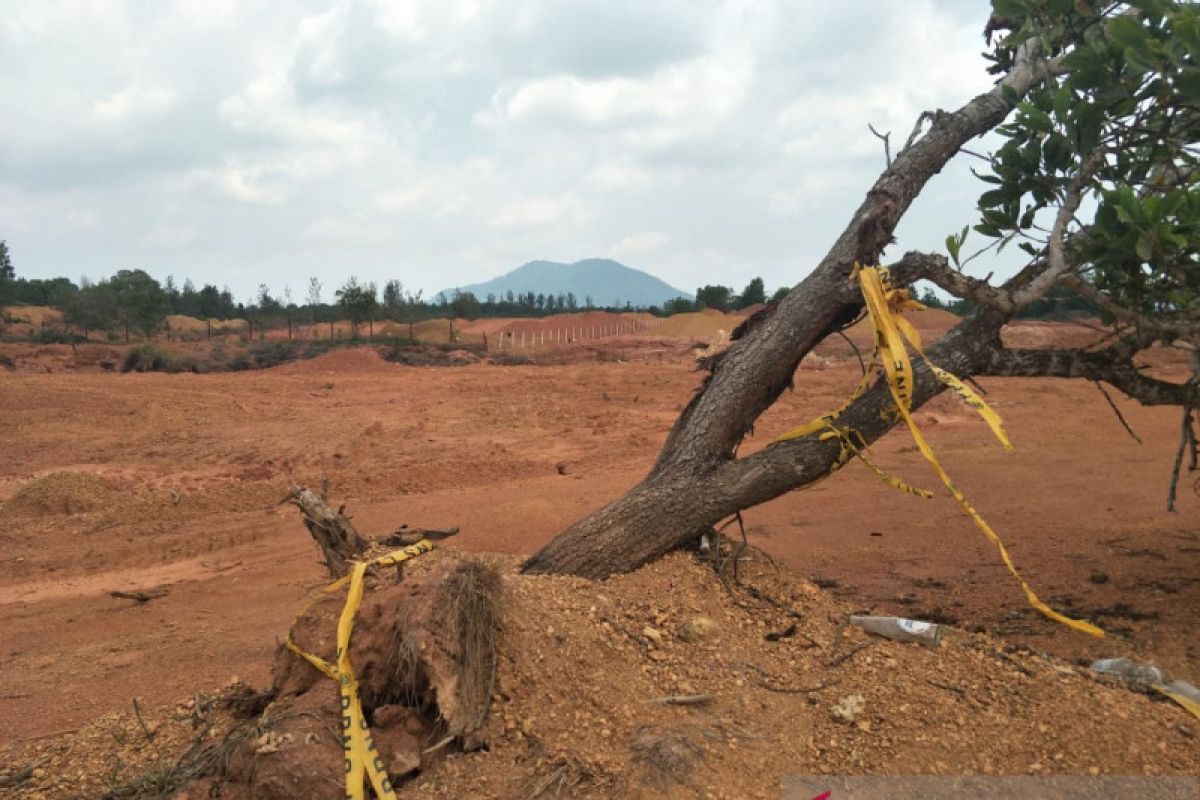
[432, 330]
[32, 315]
[342, 359]
[704, 324]
[671, 682]
[62, 493]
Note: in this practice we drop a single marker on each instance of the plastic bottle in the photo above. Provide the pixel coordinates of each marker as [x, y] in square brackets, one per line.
[900, 629]
[1144, 674]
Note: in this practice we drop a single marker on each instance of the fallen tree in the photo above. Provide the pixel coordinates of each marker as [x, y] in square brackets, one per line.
[1103, 104]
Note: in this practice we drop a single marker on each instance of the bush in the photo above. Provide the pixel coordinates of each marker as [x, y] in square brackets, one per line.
[56, 336]
[152, 358]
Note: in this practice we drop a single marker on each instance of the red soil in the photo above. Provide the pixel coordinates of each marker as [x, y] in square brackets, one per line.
[190, 469]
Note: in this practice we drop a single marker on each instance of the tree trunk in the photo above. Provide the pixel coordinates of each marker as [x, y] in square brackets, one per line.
[680, 500]
[697, 481]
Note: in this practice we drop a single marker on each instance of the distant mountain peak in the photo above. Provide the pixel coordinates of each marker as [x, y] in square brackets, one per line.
[605, 281]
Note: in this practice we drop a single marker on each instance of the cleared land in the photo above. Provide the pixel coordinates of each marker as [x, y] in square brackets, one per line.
[138, 481]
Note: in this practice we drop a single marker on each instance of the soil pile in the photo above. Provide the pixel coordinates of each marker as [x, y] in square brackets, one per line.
[62, 493]
[342, 359]
[669, 682]
[698, 324]
[32, 315]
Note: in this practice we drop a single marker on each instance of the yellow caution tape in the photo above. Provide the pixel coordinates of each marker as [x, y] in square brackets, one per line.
[362, 759]
[847, 436]
[891, 332]
[1188, 703]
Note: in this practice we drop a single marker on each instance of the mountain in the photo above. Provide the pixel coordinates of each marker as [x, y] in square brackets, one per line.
[607, 282]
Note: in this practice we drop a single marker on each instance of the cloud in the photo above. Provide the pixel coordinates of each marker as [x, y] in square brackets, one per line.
[536, 211]
[443, 141]
[641, 243]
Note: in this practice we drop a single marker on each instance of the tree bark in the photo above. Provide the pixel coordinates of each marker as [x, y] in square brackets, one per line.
[696, 480]
[678, 503]
[340, 543]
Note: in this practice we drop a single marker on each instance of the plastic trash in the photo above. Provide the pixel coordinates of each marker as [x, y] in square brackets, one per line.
[1131, 671]
[1184, 688]
[900, 629]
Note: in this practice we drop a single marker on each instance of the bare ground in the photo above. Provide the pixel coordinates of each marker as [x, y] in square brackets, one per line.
[171, 481]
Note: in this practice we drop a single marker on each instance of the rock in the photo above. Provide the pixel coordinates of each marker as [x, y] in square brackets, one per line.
[653, 635]
[848, 708]
[695, 629]
[561, 467]
[403, 762]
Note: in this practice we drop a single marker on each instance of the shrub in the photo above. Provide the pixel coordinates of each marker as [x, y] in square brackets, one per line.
[55, 336]
[152, 358]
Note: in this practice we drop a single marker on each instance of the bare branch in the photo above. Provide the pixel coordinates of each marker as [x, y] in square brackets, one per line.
[917, 127]
[1113, 365]
[887, 146]
[1156, 325]
[1117, 411]
[1056, 257]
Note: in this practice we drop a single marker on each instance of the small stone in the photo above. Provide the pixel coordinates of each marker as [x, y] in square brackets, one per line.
[848, 708]
[404, 762]
[695, 629]
[653, 635]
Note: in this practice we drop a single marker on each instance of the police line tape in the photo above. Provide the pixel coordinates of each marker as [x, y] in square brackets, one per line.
[891, 333]
[362, 759]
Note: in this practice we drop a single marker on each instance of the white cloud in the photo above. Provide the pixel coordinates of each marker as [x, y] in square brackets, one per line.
[170, 237]
[619, 177]
[641, 243]
[535, 211]
[239, 143]
[133, 100]
[672, 101]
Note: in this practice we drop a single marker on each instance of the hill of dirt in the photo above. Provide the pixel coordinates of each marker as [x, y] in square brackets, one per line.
[193, 467]
[698, 324]
[32, 315]
[669, 682]
[61, 493]
[342, 359]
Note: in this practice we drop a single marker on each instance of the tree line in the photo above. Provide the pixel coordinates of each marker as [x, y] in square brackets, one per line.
[132, 302]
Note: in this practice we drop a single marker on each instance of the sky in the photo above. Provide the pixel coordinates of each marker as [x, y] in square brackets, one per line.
[443, 143]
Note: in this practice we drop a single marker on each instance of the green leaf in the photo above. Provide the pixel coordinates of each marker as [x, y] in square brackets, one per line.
[1089, 122]
[993, 198]
[1009, 8]
[952, 247]
[1128, 32]
[1144, 248]
[1035, 118]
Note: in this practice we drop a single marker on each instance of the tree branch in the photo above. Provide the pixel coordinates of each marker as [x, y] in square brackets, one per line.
[749, 376]
[1112, 365]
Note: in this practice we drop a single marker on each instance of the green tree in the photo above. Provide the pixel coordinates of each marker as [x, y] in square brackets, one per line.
[93, 307]
[140, 302]
[717, 297]
[8, 275]
[464, 305]
[357, 302]
[393, 299]
[1097, 100]
[753, 294]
